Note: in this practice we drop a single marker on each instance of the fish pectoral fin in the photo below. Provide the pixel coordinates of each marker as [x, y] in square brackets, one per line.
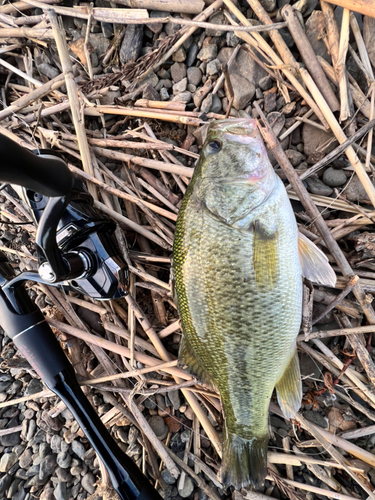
[188, 360]
[289, 388]
[314, 263]
[265, 255]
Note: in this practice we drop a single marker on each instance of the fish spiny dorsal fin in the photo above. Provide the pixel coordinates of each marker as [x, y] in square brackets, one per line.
[314, 263]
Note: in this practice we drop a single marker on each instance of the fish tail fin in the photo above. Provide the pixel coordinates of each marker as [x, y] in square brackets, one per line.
[289, 388]
[244, 461]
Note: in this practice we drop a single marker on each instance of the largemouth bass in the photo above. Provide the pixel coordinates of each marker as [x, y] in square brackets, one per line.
[238, 280]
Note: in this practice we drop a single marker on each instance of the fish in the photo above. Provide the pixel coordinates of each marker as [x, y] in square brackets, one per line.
[238, 262]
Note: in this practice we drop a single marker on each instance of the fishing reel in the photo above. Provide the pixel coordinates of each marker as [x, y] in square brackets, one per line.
[74, 242]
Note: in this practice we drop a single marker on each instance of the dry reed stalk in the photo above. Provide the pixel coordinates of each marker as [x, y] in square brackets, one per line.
[149, 277]
[315, 489]
[325, 201]
[365, 7]
[121, 194]
[31, 397]
[300, 459]
[368, 73]
[165, 356]
[364, 431]
[275, 36]
[20, 6]
[34, 95]
[326, 439]
[132, 373]
[220, 80]
[332, 31]
[357, 378]
[341, 66]
[23, 32]
[337, 151]
[145, 162]
[158, 195]
[308, 55]
[257, 41]
[132, 225]
[347, 306]
[183, 36]
[75, 106]
[171, 105]
[352, 281]
[119, 16]
[360, 350]
[110, 142]
[180, 6]
[113, 347]
[20, 73]
[140, 113]
[340, 136]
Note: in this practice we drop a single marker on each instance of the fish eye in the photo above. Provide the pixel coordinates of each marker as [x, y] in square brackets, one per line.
[214, 147]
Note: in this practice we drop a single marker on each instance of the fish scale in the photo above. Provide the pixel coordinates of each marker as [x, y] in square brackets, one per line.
[239, 290]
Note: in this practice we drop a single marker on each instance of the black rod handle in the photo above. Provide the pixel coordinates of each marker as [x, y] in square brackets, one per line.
[48, 175]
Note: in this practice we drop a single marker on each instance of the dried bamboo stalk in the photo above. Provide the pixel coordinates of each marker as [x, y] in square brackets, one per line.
[72, 90]
[308, 55]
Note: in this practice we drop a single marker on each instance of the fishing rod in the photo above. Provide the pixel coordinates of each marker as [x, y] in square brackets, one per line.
[75, 249]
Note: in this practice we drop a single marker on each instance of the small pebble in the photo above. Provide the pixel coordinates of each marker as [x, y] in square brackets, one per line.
[316, 186]
[158, 425]
[334, 178]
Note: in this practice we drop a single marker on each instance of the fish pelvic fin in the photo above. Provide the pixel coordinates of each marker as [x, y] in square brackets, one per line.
[244, 461]
[289, 388]
[314, 263]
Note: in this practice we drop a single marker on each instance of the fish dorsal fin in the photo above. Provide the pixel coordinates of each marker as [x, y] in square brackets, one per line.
[314, 263]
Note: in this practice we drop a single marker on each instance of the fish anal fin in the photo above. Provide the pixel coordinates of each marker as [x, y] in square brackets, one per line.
[314, 263]
[244, 461]
[188, 361]
[289, 388]
[265, 256]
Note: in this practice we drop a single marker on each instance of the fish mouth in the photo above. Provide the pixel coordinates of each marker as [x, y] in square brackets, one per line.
[237, 130]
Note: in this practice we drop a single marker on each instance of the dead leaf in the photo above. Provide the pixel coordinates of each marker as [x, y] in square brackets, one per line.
[78, 47]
